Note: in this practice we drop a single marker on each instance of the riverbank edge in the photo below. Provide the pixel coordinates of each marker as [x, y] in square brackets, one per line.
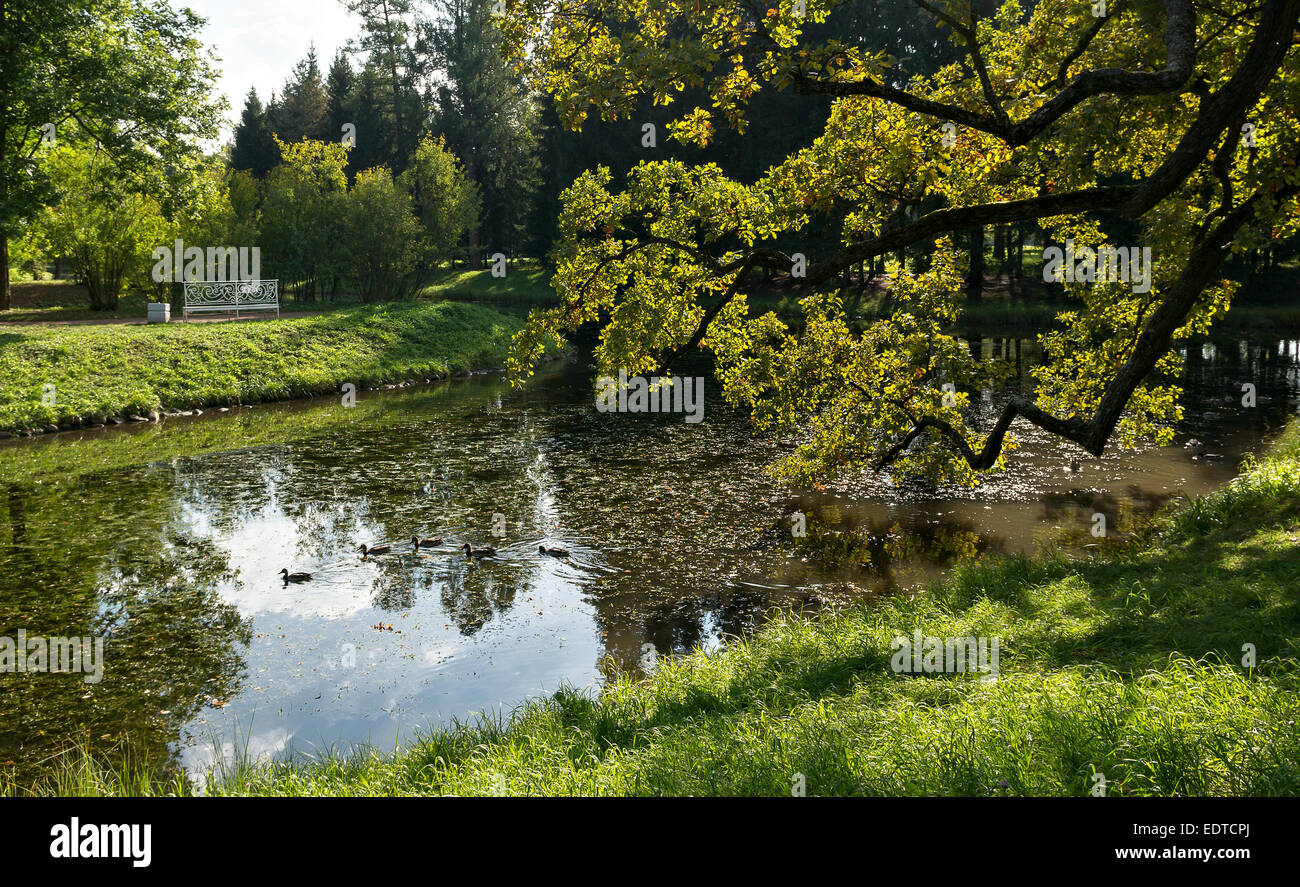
[471, 355]
[1122, 674]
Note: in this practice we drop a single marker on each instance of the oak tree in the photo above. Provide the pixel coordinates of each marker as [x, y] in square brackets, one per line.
[1174, 118]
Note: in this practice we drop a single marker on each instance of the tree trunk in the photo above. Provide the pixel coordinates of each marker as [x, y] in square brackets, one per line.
[5, 304]
[4, 270]
[474, 256]
[975, 276]
[104, 290]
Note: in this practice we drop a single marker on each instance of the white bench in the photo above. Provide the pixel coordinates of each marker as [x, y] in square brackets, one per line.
[222, 297]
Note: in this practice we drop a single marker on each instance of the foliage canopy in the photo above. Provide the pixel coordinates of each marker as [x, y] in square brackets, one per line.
[1173, 119]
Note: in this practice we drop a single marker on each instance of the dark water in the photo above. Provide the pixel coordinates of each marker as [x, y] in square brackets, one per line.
[168, 541]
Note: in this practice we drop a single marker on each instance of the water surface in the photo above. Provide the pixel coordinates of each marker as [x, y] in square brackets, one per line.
[168, 541]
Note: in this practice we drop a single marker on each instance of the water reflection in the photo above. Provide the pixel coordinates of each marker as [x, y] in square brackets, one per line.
[170, 541]
[133, 577]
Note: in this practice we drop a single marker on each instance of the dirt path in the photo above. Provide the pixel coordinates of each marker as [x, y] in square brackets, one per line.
[30, 298]
[140, 321]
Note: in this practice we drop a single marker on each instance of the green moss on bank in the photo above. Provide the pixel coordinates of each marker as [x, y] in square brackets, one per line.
[105, 371]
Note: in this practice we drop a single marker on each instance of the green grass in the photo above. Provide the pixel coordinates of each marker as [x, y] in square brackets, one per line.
[105, 371]
[1128, 664]
[524, 287]
[46, 301]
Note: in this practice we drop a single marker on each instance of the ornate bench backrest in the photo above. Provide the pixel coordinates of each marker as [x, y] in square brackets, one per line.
[232, 293]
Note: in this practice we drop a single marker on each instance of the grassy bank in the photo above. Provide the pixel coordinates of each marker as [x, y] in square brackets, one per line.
[64, 457]
[1128, 665]
[100, 372]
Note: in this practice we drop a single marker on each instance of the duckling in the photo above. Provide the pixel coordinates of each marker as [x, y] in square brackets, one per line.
[295, 577]
[425, 543]
[479, 552]
[553, 552]
[1074, 464]
[378, 549]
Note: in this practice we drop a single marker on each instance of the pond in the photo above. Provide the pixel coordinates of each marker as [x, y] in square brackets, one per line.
[168, 541]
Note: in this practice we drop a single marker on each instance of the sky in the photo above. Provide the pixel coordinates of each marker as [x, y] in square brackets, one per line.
[259, 41]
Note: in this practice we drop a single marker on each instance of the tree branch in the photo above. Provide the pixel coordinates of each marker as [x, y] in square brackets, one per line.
[1180, 44]
[1152, 343]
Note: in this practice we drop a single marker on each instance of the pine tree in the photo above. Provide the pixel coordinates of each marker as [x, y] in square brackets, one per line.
[253, 149]
[340, 84]
[302, 112]
[390, 60]
[486, 116]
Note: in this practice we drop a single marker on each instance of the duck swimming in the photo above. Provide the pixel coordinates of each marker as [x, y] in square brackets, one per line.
[378, 549]
[553, 552]
[295, 577]
[426, 543]
[479, 552]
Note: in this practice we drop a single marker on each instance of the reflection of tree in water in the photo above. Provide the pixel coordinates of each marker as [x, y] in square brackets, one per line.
[1213, 373]
[883, 547]
[699, 621]
[941, 543]
[394, 589]
[472, 594]
[1073, 512]
[453, 497]
[139, 581]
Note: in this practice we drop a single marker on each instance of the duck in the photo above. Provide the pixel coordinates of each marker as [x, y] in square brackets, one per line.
[553, 552]
[478, 552]
[378, 549]
[295, 577]
[426, 543]
[1074, 464]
